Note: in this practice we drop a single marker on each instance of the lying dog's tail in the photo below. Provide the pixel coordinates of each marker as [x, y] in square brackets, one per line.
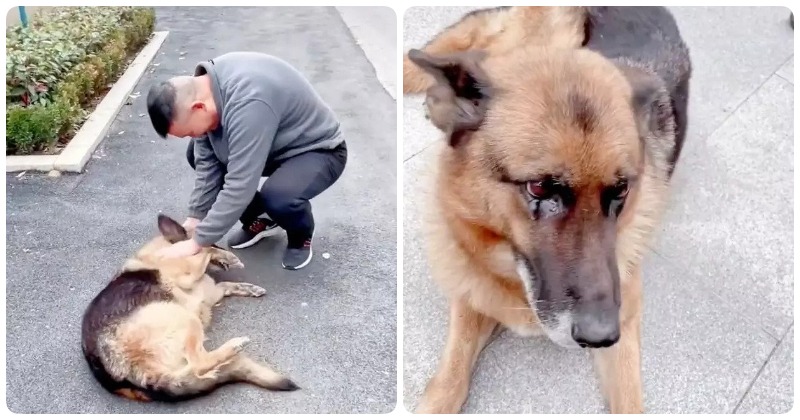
[497, 30]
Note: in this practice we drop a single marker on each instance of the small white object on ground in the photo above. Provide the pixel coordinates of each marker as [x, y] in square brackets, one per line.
[304, 304]
[54, 173]
[326, 255]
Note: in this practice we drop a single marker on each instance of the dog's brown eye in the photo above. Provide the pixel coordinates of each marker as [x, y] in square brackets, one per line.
[621, 189]
[538, 189]
[547, 197]
[613, 198]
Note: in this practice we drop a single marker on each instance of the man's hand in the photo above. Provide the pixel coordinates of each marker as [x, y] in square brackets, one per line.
[180, 249]
[190, 223]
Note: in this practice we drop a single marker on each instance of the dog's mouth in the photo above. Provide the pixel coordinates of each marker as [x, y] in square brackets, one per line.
[555, 322]
[566, 319]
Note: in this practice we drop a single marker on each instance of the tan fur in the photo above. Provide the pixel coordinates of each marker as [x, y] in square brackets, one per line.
[498, 33]
[475, 218]
[133, 394]
[161, 344]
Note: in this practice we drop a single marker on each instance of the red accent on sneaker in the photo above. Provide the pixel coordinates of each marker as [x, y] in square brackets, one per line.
[257, 226]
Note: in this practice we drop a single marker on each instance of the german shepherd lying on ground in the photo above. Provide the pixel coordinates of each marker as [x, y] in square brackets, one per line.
[143, 334]
[563, 127]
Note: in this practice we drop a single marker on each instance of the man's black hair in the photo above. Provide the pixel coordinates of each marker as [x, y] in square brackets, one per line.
[161, 107]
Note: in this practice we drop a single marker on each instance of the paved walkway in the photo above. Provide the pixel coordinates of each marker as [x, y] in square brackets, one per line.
[330, 326]
[718, 325]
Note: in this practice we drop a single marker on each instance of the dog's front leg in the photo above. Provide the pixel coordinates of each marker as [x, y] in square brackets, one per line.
[619, 366]
[468, 333]
[225, 259]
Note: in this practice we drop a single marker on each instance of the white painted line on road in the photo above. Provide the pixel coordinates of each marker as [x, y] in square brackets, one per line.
[375, 31]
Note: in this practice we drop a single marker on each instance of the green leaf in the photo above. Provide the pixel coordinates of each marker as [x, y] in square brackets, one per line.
[16, 91]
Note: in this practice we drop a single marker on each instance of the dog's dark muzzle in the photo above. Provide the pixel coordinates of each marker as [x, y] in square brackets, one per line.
[596, 327]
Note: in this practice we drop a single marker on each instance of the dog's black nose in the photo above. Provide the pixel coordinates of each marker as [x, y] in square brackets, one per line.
[595, 330]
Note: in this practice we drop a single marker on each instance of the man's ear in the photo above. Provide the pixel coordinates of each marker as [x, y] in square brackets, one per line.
[456, 104]
[646, 93]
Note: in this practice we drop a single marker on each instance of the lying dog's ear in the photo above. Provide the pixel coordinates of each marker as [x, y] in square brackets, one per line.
[171, 230]
[646, 92]
[456, 104]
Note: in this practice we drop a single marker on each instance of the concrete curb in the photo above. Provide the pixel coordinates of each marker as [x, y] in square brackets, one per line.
[77, 153]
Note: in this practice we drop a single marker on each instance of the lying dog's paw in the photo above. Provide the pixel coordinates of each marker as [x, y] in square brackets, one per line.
[232, 261]
[239, 343]
[226, 265]
[241, 289]
[252, 289]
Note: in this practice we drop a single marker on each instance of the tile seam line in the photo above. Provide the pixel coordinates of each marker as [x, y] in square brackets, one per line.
[747, 98]
[711, 134]
[418, 152]
[729, 116]
[784, 79]
[761, 369]
[699, 276]
[791, 57]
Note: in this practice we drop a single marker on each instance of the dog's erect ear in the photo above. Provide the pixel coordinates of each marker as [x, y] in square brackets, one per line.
[456, 104]
[171, 230]
[646, 91]
[461, 71]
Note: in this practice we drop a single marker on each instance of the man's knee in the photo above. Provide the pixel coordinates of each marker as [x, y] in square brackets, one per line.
[280, 202]
[190, 155]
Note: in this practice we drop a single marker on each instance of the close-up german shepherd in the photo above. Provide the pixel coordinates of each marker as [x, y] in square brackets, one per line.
[143, 335]
[563, 126]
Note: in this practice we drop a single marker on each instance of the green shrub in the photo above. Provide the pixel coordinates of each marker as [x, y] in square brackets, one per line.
[58, 66]
[31, 127]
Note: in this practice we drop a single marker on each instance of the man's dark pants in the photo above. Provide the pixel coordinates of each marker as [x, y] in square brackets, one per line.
[291, 183]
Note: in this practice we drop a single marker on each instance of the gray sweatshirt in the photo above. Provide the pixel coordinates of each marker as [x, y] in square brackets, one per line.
[268, 111]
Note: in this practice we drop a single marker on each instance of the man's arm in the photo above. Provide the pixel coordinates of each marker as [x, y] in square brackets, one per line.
[252, 128]
[209, 173]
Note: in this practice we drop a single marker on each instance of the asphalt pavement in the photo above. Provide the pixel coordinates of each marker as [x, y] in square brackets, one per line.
[330, 326]
[718, 323]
